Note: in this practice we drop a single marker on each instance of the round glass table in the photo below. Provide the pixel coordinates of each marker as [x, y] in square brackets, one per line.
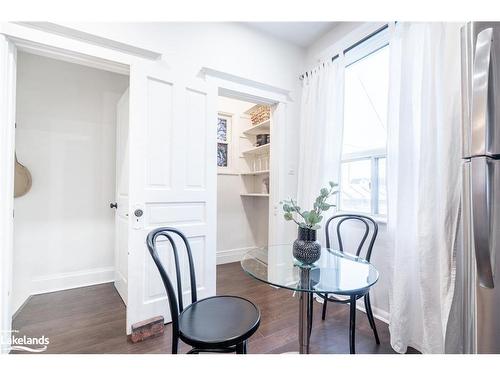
[335, 272]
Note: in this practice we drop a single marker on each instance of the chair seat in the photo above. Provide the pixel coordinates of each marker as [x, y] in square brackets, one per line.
[218, 322]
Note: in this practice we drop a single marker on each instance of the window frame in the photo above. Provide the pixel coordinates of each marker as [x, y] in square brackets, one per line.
[229, 169]
[357, 53]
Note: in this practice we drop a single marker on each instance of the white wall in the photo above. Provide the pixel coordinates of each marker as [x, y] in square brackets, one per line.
[328, 44]
[242, 222]
[229, 47]
[340, 37]
[65, 136]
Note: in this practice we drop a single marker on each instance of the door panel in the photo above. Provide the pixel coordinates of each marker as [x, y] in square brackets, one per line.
[122, 182]
[172, 181]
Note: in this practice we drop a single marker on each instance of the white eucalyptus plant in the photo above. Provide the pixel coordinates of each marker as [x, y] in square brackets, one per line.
[310, 219]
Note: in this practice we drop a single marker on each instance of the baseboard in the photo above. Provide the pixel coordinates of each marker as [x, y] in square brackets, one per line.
[232, 255]
[18, 310]
[71, 280]
[378, 313]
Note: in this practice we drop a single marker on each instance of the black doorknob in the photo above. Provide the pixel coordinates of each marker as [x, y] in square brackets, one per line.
[113, 205]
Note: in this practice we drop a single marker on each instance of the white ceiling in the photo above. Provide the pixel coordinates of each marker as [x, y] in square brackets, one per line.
[302, 34]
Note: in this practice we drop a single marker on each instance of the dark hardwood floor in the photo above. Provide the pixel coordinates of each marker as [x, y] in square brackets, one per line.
[92, 320]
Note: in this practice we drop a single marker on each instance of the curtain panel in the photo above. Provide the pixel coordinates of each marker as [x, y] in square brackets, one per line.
[424, 181]
[321, 127]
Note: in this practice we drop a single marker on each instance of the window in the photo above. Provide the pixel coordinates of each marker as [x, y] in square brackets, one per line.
[363, 166]
[223, 141]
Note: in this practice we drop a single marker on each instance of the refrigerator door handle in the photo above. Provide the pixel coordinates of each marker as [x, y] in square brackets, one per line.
[481, 181]
[480, 85]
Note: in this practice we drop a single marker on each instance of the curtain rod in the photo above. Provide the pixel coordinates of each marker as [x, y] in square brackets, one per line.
[352, 46]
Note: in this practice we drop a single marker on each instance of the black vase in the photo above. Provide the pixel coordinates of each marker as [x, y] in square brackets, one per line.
[305, 248]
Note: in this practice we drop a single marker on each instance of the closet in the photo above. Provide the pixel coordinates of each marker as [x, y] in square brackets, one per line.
[70, 226]
[244, 177]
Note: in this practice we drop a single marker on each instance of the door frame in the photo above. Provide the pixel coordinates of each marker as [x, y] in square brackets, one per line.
[13, 38]
[240, 88]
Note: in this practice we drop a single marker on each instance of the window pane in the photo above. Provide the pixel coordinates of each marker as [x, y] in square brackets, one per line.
[355, 186]
[222, 154]
[365, 111]
[222, 130]
[382, 189]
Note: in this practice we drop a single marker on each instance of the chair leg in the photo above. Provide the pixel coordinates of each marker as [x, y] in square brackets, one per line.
[240, 348]
[352, 324]
[325, 301]
[175, 343]
[245, 347]
[369, 313]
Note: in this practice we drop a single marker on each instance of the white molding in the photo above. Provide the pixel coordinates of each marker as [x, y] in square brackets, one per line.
[232, 255]
[71, 50]
[18, 310]
[378, 313]
[7, 141]
[72, 33]
[351, 38]
[242, 88]
[71, 280]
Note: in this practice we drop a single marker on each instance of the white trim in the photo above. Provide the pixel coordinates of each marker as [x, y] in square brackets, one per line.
[232, 255]
[354, 36]
[75, 34]
[7, 141]
[16, 313]
[378, 313]
[243, 88]
[60, 47]
[71, 280]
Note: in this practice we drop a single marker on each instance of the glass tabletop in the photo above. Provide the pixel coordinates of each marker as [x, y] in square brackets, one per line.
[335, 272]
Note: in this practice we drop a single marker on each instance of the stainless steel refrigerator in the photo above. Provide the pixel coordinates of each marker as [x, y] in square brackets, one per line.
[479, 259]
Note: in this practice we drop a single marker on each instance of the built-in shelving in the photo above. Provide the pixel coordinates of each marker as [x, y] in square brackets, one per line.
[252, 109]
[254, 173]
[264, 149]
[262, 128]
[254, 194]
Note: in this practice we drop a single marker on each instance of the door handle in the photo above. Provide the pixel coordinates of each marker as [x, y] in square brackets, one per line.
[480, 85]
[481, 177]
[113, 205]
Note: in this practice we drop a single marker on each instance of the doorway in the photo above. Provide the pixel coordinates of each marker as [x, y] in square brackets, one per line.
[244, 176]
[71, 137]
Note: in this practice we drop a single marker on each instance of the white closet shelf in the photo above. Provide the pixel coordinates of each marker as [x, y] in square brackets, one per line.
[255, 173]
[262, 128]
[254, 194]
[264, 149]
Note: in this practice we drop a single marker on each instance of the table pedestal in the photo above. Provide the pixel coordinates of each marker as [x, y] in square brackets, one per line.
[305, 311]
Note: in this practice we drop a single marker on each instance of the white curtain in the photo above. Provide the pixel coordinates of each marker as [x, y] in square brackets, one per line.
[321, 125]
[424, 177]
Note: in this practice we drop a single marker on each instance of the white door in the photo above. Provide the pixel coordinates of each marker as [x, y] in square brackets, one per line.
[172, 182]
[121, 196]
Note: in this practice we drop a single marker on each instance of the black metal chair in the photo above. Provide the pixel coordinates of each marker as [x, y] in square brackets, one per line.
[220, 324]
[370, 229]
